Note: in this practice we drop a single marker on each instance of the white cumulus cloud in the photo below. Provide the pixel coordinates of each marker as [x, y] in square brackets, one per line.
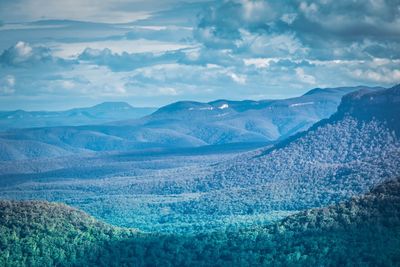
[7, 84]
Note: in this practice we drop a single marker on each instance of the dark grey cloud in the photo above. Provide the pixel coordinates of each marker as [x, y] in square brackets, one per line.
[327, 29]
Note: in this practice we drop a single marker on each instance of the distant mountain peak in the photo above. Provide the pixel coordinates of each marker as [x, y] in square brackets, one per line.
[182, 105]
[383, 105]
[387, 96]
[118, 105]
[318, 90]
[314, 91]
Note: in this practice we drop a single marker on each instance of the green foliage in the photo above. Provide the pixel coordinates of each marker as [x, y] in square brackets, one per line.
[42, 234]
[364, 231]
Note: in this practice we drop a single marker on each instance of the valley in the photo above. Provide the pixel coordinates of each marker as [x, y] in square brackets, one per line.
[211, 188]
[363, 231]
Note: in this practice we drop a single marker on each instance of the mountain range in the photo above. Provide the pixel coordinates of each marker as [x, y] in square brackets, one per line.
[181, 124]
[344, 155]
[101, 113]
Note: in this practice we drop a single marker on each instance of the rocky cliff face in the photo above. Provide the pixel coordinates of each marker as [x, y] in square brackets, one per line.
[365, 105]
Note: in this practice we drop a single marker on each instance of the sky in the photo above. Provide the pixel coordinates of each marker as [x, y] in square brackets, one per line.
[57, 55]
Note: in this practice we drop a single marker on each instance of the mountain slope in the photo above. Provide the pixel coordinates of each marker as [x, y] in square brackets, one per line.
[356, 148]
[364, 231]
[224, 121]
[191, 124]
[25, 149]
[101, 113]
[43, 234]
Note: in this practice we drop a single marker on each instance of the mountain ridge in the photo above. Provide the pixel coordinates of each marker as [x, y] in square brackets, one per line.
[194, 124]
[97, 114]
[339, 157]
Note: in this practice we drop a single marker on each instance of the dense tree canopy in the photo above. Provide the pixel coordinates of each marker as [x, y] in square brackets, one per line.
[364, 231]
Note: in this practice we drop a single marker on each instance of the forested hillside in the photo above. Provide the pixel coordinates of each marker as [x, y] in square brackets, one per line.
[347, 154]
[35, 233]
[364, 231]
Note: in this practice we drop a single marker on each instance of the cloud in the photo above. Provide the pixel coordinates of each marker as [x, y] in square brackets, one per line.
[181, 75]
[271, 45]
[197, 56]
[128, 61]
[24, 55]
[257, 62]
[382, 73]
[174, 12]
[240, 79]
[7, 84]
[199, 50]
[165, 33]
[110, 11]
[321, 29]
[28, 10]
[305, 77]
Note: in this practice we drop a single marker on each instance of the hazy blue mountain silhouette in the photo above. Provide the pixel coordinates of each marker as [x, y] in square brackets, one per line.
[101, 113]
[182, 124]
